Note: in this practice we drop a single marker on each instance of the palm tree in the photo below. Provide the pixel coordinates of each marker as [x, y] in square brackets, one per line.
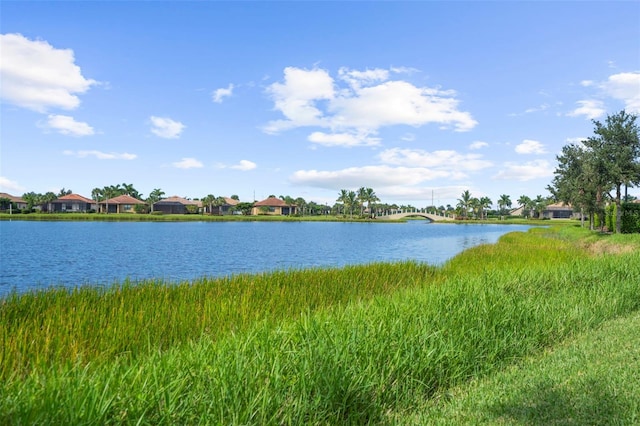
[343, 198]
[370, 197]
[209, 200]
[540, 204]
[503, 203]
[464, 202]
[352, 201]
[485, 204]
[154, 197]
[525, 203]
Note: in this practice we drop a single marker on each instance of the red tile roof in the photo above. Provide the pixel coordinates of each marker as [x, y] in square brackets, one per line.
[122, 199]
[272, 202]
[75, 197]
[13, 198]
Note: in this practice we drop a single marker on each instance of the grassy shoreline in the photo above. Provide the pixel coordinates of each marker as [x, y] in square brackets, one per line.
[124, 217]
[353, 345]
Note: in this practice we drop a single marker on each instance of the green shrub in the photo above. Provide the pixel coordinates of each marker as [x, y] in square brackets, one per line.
[630, 217]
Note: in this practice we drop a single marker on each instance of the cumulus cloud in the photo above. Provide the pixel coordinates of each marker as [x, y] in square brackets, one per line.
[9, 185]
[358, 104]
[525, 171]
[101, 155]
[67, 125]
[219, 94]
[244, 165]
[625, 87]
[529, 146]
[165, 127]
[452, 161]
[400, 168]
[478, 145]
[38, 76]
[375, 176]
[591, 109]
[188, 163]
[343, 139]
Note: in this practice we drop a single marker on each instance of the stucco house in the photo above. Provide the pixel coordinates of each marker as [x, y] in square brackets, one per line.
[273, 206]
[558, 211]
[224, 209]
[120, 204]
[16, 202]
[71, 203]
[176, 205]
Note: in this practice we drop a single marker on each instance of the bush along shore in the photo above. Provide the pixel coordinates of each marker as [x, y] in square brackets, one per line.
[356, 345]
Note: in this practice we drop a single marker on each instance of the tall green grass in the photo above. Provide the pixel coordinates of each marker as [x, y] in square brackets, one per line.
[355, 363]
[94, 324]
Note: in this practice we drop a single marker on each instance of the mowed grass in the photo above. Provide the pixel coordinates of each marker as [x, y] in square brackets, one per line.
[591, 379]
[352, 360]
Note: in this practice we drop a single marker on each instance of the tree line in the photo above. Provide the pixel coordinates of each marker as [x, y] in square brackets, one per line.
[590, 174]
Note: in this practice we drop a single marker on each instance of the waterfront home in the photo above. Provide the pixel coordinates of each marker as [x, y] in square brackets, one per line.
[16, 202]
[559, 211]
[177, 205]
[74, 203]
[120, 204]
[273, 206]
[222, 209]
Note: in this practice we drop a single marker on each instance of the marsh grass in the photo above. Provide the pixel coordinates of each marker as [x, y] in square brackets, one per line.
[359, 360]
[95, 324]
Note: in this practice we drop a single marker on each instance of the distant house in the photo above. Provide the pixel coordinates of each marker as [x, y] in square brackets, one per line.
[273, 206]
[16, 202]
[176, 205]
[224, 209]
[71, 203]
[558, 211]
[120, 204]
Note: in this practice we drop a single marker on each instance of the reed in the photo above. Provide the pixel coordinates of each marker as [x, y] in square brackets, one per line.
[354, 361]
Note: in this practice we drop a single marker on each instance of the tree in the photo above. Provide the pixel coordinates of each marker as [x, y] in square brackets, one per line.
[155, 196]
[209, 200]
[503, 203]
[47, 199]
[464, 203]
[368, 196]
[485, 204]
[349, 199]
[525, 203]
[64, 192]
[540, 204]
[617, 145]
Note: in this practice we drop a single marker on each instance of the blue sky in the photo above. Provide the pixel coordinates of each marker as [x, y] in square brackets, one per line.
[413, 99]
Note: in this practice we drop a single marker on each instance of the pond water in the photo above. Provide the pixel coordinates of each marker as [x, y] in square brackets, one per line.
[35, 255]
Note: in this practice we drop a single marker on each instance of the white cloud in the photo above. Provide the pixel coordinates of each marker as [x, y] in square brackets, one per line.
[450, 161]
[220, 94]
[374, 176]
[244, 165]
[343, 139]
[101, 155]
[37, 76]
[625, 87]
[8, 185]
[165, 127]
[68, 125]
[591, 109]
[188, 163]
[369, 101]
[525, 171]
[478, 145]
[529, 146]
[586, 83]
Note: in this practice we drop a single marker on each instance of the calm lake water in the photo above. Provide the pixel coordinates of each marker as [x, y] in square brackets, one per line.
[35, 255]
